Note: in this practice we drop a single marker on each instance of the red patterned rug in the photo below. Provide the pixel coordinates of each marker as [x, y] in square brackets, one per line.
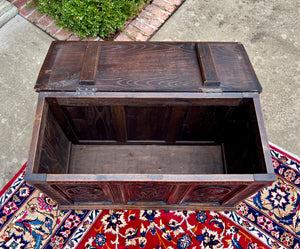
[268, 219]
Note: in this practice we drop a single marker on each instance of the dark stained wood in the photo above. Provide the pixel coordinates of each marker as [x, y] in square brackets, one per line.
[118, 193]
[90, 122]
[177, 117]
[211, 193]
[234, 68]
[148, 66]
[61, 71]
[55, 148]
[119, 122]
[37, 136]
[151, 99]
[178, 194]
[90, 63]
[165, 125]
[147, 206]
[263, 141]
[148, 192]
[205, 179]
[62, 120]
[207, 65]
[147, 159]
[88, 192]
[147, 122]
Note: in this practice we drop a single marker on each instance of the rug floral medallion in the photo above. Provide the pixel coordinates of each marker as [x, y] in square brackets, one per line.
[268, 219]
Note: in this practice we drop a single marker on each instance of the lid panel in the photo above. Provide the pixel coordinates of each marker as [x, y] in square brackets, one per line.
[62, 67]
[147, 66]
[234, 69]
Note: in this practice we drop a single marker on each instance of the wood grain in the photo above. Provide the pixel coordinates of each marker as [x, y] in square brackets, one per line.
[147, 159]
[167, 125]
[90, 64]
[55, 148]
[207, 65]
[148, 66]
[119, 122]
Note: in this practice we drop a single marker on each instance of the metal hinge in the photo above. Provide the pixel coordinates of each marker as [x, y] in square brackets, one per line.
[86, 90]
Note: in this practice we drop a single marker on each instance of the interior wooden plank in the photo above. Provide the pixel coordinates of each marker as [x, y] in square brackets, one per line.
[177, 117]
[119, 122]
[146, 159]
[54, 148]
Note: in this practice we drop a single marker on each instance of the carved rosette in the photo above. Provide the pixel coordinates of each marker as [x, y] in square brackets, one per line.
[208, 194]
[84, 193]
[148, 192]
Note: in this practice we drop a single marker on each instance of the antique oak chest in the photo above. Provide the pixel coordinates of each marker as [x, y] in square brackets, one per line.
[147, 125]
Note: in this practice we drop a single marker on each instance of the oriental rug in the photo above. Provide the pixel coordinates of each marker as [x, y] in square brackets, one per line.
[268, 219]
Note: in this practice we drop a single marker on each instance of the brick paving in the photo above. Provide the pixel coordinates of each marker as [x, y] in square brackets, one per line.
[142, 28]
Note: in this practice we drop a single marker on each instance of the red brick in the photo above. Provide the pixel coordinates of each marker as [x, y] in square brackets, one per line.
[35, 16]
[74, 38]
[20, 3]
[154, 10]
[45, 21]
[175, 2]
[62, 35]
[123, 37]
[164, 5]
[11, 1]
[143, 27]
[26, 11]
[135, 34]
[52, 29]
[148, 18]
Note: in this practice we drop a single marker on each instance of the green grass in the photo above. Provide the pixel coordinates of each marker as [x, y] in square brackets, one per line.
[91, 18]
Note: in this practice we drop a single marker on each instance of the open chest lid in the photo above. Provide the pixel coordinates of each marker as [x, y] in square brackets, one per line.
[147, 67]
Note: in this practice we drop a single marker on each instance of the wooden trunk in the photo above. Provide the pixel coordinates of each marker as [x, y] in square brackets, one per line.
[150, 125]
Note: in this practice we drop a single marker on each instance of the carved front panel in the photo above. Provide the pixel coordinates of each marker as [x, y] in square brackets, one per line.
[84, 193]
[211, 193]
[149, 192]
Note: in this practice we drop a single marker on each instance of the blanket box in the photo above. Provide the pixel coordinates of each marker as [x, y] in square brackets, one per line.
[148, 125]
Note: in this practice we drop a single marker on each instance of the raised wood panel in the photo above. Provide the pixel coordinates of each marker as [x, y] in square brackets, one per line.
[210, 193]
[88, 192]
[148, 192]
[91, 122]
[200, 124]
[147, 122]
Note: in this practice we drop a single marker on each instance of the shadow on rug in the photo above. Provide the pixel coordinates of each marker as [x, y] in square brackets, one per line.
[268, 219]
